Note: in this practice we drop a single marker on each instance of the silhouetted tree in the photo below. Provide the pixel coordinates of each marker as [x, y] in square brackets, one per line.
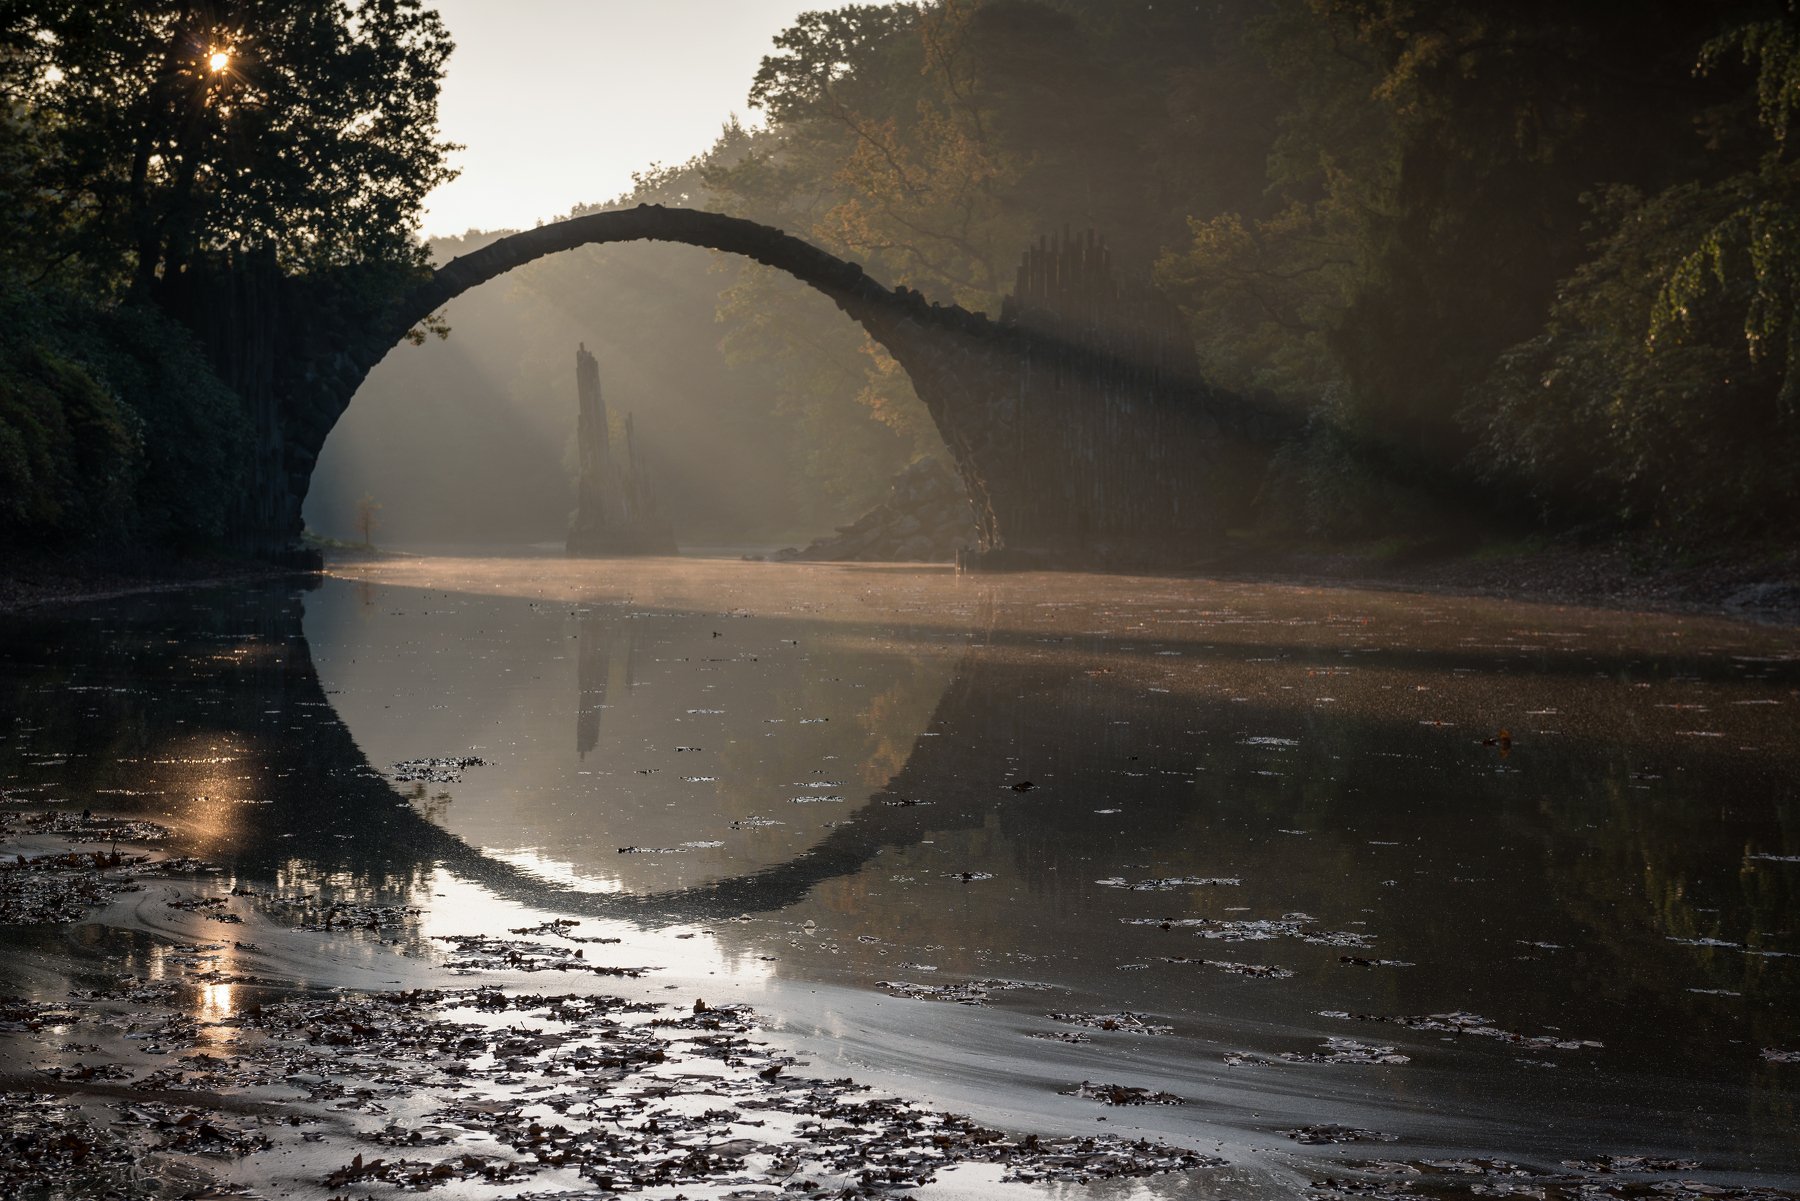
[138, 137]
[169, 128]
[367, 518]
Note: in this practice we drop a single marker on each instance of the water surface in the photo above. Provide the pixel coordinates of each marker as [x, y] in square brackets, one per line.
[1540, 864]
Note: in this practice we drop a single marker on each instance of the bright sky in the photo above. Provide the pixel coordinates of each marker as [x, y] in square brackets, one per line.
[558, 101]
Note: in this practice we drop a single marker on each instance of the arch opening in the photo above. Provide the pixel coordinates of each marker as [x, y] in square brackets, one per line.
[936, 346]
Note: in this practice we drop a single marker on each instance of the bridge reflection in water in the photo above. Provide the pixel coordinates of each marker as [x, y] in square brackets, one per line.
[1323, 752]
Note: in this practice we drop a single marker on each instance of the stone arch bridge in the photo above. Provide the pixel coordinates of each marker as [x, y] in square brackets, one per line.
[1077, 419]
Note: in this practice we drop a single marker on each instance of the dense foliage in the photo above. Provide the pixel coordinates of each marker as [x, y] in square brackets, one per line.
[1539, 260]
[1675, 348]
[147, 147]
[112, 425]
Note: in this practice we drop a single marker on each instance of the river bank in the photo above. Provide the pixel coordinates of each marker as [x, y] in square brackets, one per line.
[29, 580]
[1759, 584]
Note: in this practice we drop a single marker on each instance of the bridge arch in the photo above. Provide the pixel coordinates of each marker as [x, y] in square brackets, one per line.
[955, 359]
[1078, 421]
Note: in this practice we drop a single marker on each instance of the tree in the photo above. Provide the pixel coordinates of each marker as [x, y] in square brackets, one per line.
[367, 520]
[1748, 257]
[934, 142]
[1665, 389]
[174, 128]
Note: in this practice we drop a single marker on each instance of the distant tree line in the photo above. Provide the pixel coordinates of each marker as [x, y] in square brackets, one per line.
[140, 141]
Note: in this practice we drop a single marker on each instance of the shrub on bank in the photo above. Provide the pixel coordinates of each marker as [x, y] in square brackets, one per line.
[112, 428]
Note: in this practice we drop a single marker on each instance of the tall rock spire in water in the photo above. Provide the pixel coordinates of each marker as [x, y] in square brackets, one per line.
[594, 442]
[615, 502]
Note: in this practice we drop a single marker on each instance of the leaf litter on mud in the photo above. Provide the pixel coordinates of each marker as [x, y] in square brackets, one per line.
[622, 1095]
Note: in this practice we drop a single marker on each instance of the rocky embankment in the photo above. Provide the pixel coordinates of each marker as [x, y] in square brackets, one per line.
[925, 518]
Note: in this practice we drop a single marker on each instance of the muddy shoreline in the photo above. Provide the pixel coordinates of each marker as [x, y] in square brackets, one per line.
[214, 1059]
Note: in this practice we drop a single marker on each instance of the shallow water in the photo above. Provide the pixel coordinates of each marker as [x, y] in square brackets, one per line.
[1257, 818]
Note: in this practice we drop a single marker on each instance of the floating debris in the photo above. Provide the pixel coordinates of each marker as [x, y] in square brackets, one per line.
[1292, 925]
[1348, 1050]
[340, 915]
[971, 992]
[84, 827]
[1631, 1163]
[52, 1147]
[193, 1131]
[611, 1120]
[1119, 1094]
[129, 989]
[1258, 970]
[482, 953]
[37, 889]
[18, 1015]
[184, 866]
[86, 1073]
[195, 904]
[1131, 1023]
[448, 770]
[1244, 1059]
[1319, 1135]
[417, 1174]
[1471, 1024]
[1168, 883]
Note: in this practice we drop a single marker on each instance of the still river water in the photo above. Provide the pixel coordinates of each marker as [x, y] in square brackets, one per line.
[1263, 817]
